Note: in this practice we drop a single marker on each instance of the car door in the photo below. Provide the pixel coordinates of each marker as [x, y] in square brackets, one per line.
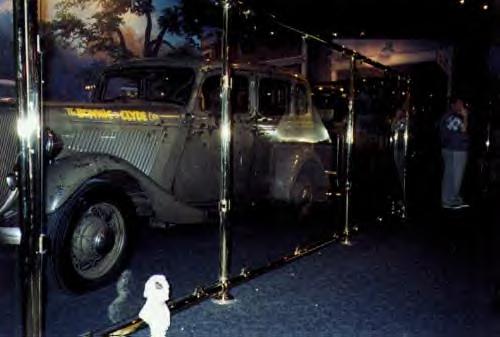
[198, 175]
[243, 109]
[273, 102]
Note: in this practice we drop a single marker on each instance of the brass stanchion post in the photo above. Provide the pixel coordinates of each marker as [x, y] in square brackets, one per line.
[349, 141]
[226, 177]
[406, 136]
[32, 251]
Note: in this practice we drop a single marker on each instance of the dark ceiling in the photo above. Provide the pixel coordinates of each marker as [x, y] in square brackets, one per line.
[436, 19]
[471, 26]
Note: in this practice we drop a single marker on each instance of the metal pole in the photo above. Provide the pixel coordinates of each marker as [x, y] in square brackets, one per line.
[406, 139]
[349, 141]
[226, 177]
[338, 151]
[29, 128]
[305, 56]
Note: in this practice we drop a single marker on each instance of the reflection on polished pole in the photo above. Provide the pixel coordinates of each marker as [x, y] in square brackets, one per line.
[408, 108]
[226, 171]
[29, 128]
[349, 141]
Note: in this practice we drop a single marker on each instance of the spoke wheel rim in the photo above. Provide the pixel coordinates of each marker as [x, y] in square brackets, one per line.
[98, 240]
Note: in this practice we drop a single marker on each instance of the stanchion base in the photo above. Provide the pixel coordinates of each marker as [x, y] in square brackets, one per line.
[345, 239]
[223, 298]
[346, 242]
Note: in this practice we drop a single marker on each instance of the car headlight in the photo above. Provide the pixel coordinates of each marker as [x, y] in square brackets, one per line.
[53, 144]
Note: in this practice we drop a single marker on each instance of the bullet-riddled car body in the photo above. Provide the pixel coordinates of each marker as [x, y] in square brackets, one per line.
[149, 145]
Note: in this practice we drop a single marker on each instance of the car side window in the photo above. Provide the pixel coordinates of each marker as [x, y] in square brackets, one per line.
[172, 85]
[122, 87]
[239, 95]
[211, 94]
[274, 97]
[301, 101]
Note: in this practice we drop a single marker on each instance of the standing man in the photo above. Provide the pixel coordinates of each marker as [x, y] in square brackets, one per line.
[454, 147]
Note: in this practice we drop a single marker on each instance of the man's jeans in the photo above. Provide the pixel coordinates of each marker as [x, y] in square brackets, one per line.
[454, 168]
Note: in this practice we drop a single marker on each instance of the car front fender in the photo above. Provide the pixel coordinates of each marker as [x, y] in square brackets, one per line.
[66, 175]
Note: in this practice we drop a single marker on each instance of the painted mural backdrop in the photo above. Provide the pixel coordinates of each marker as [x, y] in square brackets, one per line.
[82, 36]
[6, 42]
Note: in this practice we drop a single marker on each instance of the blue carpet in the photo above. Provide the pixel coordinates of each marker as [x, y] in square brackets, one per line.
[369, 290]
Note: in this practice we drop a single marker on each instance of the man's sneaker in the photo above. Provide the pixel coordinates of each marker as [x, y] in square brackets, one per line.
[455, 206]
[461, 206]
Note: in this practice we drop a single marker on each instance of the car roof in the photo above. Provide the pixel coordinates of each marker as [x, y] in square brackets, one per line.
[197, 63]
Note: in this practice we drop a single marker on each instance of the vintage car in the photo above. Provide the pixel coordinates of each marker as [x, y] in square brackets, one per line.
[148, 147]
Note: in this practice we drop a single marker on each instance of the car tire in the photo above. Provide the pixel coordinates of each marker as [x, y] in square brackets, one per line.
[91, 237]
[303, 192]
[308, 193]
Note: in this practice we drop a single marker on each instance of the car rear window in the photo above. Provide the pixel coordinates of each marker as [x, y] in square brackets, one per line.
[274, 97]
[301, 99]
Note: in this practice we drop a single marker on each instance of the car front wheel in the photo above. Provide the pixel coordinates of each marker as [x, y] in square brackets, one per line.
[90, 237]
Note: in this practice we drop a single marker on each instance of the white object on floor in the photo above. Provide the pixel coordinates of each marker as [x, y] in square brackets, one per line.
[155, 311]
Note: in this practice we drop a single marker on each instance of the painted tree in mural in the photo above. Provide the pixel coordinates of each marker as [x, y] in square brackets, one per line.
[103, 30]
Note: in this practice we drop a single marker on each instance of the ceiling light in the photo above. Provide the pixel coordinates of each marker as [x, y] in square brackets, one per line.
[485, 7]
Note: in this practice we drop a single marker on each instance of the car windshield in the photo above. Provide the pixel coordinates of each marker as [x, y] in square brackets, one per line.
[169, 85]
